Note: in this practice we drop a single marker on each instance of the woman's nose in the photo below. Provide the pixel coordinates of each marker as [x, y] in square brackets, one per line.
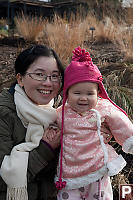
[47, 81]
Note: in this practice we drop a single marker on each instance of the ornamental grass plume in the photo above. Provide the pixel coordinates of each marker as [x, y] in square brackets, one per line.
[29, 27]
[64, 36]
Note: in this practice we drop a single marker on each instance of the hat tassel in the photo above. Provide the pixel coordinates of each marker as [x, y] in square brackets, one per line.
[60, 184]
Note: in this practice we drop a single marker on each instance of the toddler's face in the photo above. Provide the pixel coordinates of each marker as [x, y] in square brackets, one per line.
[83, 96]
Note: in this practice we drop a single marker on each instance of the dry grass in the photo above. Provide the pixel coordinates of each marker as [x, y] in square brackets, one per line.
[119, 179]
[29, 27]
[105, 31]
[125, 42]
[119, 94]
[110, 30]
[3, 21]
[64, 36]
[124, 36]
[129, 15]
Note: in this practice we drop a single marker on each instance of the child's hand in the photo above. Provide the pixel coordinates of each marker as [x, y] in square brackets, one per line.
[106, 133]
[52, 136]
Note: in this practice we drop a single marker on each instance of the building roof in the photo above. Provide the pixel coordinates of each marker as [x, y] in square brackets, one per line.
[39, 2]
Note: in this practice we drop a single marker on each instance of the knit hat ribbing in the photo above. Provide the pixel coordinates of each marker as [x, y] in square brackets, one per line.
[80, 69]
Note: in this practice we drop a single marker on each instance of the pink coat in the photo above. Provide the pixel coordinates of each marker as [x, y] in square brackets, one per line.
[85, 156]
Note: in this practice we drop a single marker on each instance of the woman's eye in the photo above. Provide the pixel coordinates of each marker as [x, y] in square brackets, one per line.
[39, 74]
[54, 75]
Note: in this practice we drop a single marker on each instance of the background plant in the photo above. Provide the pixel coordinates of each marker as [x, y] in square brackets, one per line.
[29, 27]
[63, 36]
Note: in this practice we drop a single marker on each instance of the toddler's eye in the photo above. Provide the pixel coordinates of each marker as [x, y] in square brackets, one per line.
[90, 93]
[76, 92]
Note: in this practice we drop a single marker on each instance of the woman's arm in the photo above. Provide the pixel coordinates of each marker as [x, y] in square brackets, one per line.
[6, 141]
[45, 153]
[12, 133]
[39, 159]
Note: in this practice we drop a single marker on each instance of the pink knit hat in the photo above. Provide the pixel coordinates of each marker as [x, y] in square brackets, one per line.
[80, 69]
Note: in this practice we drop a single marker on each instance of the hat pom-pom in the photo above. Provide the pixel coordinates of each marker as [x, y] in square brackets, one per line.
[81, 55]
[60, 184]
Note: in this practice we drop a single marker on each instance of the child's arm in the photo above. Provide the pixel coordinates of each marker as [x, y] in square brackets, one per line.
[122, 130]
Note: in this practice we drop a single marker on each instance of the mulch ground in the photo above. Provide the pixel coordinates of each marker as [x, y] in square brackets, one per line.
[9, 49]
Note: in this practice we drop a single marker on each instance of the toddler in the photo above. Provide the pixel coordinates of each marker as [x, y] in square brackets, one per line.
[85, 161]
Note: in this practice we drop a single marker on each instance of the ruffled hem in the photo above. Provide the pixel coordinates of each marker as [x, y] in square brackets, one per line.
[110, 169]
[116, 165]
[128, 145]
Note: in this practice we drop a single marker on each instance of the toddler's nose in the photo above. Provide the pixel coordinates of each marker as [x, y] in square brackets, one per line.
[83, 98]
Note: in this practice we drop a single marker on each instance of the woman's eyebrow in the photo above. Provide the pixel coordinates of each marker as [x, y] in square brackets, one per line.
[40, 69]
[55, 71]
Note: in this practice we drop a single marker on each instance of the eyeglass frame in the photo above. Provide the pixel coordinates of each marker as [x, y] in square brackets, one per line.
[44, 75]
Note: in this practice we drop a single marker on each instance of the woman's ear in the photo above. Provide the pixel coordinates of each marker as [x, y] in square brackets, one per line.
[19, 79]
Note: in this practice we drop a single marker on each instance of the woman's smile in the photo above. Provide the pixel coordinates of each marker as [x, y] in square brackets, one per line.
[46, 92]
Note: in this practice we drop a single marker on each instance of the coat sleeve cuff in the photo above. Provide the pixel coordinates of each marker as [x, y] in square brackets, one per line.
[39, 159]
[45, 151]
[128, 145]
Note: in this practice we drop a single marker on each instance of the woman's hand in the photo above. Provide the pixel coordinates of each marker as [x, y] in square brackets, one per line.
[105, 131]
[52, 136]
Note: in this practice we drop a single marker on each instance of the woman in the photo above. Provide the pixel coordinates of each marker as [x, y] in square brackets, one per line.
[38, 73]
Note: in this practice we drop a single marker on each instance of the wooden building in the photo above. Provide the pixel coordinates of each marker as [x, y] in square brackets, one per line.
[11, 8]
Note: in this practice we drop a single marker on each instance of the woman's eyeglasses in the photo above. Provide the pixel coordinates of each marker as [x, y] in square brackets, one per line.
[43, 77]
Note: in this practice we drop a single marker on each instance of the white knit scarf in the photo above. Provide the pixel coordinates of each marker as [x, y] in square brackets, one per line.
[14, 166]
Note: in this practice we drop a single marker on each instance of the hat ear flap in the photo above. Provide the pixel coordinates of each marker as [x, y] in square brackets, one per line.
[98, 91]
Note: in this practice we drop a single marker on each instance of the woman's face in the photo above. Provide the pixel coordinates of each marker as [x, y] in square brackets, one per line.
[41, 92]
